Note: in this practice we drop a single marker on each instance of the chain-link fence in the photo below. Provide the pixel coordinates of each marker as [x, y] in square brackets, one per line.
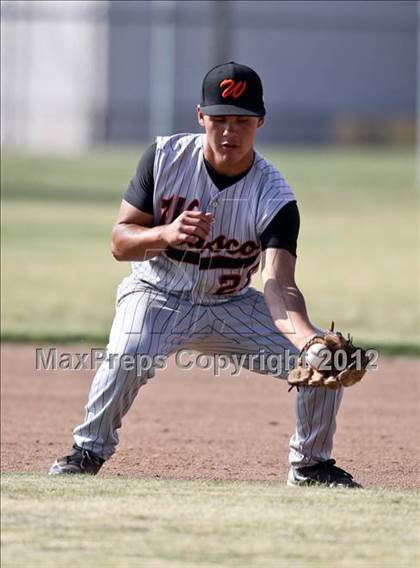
[76, 74]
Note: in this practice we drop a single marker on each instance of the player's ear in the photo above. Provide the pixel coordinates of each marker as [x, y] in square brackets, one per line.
[260, 122]
[200, 116]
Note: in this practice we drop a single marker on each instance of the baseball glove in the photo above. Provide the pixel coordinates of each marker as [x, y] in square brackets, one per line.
[329, 361]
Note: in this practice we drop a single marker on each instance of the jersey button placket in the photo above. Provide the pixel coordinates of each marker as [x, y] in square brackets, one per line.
[195, 290]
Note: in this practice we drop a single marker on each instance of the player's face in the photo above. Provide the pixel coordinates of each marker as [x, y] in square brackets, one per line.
[230, 141]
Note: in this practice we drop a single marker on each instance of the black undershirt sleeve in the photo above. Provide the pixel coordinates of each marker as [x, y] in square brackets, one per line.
[282, 232]
[140, 191]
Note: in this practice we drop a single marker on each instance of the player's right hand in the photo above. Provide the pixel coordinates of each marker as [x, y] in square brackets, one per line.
[189, 227]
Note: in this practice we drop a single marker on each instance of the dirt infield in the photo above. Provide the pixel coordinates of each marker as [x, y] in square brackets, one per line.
[193, 425]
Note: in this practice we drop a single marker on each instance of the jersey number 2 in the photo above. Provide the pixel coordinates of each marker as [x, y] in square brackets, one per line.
[230, 282]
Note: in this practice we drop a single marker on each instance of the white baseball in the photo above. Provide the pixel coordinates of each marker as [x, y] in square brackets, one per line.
[314, 357]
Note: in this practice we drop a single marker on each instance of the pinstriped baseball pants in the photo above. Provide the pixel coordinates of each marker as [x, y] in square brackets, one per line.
[152, 323]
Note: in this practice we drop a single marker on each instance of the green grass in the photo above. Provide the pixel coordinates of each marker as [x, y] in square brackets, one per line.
[357, 255]
[135, 522]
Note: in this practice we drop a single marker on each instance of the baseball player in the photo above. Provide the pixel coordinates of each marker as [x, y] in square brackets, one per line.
[199, 214]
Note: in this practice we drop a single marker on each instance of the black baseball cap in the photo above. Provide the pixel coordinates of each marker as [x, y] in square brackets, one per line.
[232, 88]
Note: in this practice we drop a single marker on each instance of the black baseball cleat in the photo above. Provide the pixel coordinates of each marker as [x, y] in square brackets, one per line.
[80, 462]
[323, 473]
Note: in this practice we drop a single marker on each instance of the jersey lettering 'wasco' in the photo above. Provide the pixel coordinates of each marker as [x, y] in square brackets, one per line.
[221, 267]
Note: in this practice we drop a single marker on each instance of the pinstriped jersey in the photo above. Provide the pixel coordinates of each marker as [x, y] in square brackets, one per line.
[220, 267]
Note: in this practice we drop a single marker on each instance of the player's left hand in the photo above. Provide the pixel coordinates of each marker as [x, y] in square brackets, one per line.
[329, 361]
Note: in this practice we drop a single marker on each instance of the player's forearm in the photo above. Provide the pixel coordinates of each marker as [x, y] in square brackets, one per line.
[288, 310]
[132, 242]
